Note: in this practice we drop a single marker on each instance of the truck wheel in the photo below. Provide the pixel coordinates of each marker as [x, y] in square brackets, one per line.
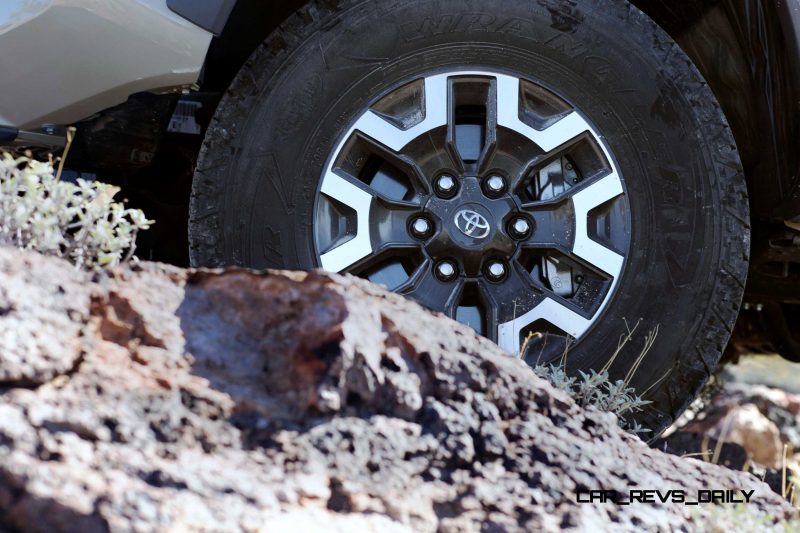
[554, 174]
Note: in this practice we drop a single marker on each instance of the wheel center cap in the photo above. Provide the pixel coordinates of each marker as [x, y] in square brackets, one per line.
[472, 226]
[472, 223]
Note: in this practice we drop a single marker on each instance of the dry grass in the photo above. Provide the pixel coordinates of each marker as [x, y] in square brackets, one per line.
[596, 388]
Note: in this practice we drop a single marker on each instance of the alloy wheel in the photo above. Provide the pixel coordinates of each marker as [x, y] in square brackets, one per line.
[482, 195]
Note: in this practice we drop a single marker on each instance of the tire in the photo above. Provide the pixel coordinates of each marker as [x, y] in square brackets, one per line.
[259, 172]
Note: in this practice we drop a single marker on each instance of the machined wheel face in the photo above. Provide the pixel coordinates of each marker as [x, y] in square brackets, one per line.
[483, 195]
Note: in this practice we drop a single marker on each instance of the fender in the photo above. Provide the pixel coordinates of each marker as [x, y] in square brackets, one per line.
[211, 15]
[749, 52]
[65, 60]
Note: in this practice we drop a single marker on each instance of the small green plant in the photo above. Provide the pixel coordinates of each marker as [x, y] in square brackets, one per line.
[78, 221]
[597, 388]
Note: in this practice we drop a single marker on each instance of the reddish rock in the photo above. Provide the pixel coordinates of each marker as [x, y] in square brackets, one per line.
[758, 435]
[189, 400]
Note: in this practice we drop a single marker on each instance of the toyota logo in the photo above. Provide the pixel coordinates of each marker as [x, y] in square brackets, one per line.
[472, 224]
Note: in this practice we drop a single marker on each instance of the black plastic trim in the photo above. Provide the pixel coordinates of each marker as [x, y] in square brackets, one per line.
[211, 15]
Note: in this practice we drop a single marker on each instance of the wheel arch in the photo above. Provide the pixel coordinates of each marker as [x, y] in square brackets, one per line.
[749, 53]
[248, 26]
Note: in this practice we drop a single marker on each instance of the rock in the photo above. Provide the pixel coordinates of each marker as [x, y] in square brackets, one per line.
[758, 435]
[42, 311]
[759, 418]
[702, 446]
[236, 400]
[779, 406]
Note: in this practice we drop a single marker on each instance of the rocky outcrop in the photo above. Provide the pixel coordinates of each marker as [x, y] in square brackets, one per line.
[159, 399]
[44, 308]
[772, 419]
[746, 427]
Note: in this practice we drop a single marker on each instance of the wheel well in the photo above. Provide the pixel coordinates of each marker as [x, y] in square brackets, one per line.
[747, 51]
[249, 25]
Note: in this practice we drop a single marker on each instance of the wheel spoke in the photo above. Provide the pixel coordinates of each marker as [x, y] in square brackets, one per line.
[359, 200]
[426, 289]
[391, 228]
[450, 144]
[583, 201]
[471, 122]
[547, 139]
[381, 130]
[509, 298]
[562, 223]
[564, 318]
[554, 226]
[487, 156]
[402, 163]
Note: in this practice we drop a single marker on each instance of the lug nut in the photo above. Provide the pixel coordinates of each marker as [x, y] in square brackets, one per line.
[421, 228]
[495, 271]
[445, 185]
[495, 185]
[519, 228]
[446, 270]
